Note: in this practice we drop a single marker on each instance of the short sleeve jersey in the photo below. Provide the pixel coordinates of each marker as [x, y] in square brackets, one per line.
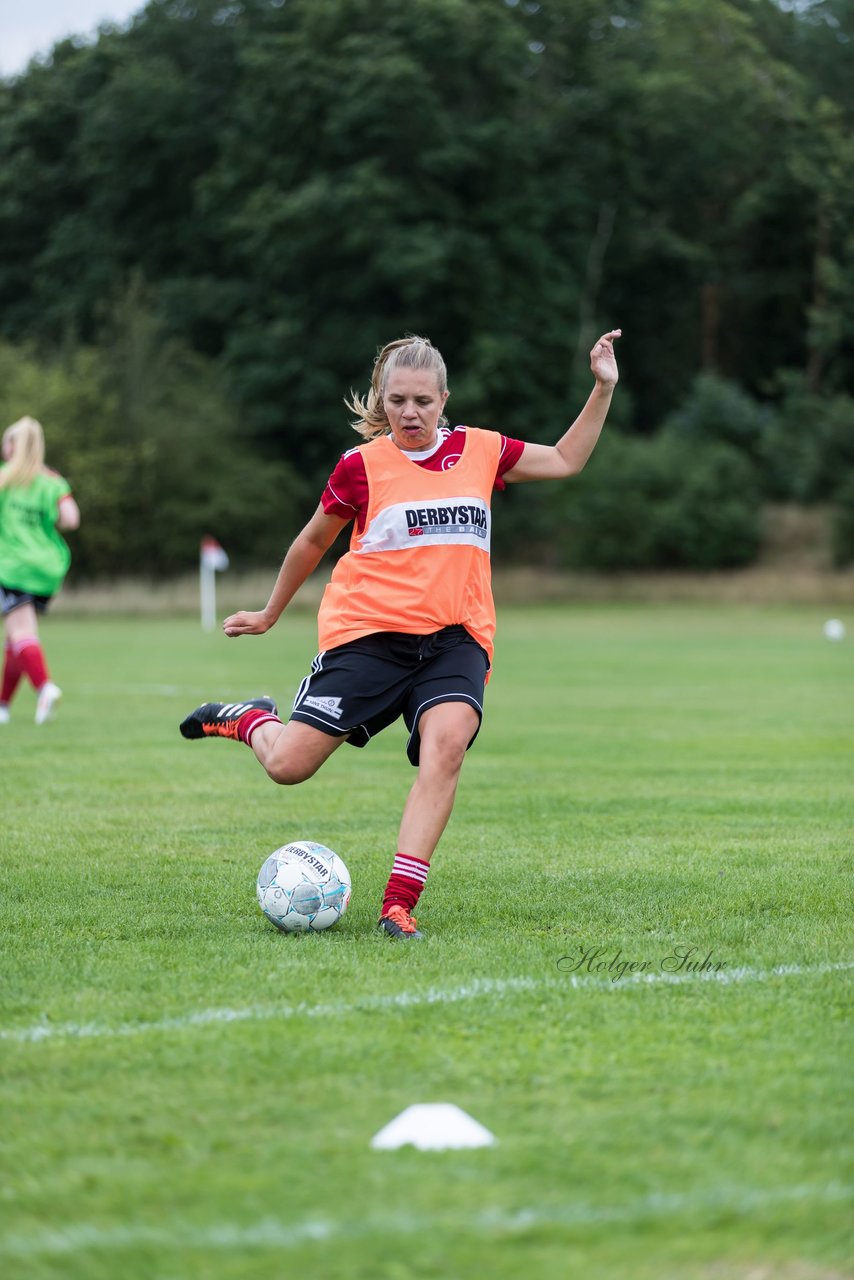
[346, 492]
[34, 556]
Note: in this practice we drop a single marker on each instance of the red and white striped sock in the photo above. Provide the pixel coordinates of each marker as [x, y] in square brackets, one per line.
[31, 659]
[252, 720]
[407, 879]
[12, 672]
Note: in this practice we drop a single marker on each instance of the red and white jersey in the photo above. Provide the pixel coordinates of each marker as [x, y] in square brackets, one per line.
[346, 492]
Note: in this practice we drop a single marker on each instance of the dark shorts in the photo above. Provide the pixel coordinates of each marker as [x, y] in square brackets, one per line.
[11, 598]
[359, 689]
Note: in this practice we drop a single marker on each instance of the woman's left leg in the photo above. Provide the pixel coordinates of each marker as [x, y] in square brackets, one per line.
[446, 731]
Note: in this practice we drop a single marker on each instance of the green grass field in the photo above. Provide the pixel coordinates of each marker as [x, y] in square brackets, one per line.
[188, 1094]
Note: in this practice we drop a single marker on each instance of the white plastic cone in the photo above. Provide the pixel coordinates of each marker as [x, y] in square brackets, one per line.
[432, 1126]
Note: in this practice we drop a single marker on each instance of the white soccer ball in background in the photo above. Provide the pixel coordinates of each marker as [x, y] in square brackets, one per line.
[834, 629]
[303, 887]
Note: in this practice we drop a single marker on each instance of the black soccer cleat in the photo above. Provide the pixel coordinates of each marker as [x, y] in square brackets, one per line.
[400, 923]
[220, 719]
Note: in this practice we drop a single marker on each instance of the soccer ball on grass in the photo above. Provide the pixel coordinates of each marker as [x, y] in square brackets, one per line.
[303, 887]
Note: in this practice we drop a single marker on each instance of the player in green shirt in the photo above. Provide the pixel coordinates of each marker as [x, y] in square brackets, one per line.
[35, 503]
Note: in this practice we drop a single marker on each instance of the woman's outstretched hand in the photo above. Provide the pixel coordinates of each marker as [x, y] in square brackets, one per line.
[603, 362]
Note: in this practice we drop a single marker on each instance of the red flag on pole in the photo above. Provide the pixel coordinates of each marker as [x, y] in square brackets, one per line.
[213, 556]
[212, 559]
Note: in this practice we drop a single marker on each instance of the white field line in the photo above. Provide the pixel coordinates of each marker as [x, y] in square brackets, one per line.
[83, 1237]
[479, 988]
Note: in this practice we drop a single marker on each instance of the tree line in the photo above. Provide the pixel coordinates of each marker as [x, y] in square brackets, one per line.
[212, 218]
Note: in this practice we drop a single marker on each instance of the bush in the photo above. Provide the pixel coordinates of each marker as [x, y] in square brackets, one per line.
[663, 503]
[843, 524]
[808, 449]
[716, 409]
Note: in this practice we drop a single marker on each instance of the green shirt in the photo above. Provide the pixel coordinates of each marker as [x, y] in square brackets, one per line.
[33, 554]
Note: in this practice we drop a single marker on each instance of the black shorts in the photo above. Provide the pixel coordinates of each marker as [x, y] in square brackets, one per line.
[11, 598]
[359, 689]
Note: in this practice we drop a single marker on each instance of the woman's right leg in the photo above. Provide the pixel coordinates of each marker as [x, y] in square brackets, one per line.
[292, 752]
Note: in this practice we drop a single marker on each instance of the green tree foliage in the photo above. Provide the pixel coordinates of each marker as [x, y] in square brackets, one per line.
[298, 181]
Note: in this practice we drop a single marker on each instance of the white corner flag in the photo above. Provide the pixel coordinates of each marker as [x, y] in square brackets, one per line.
[212, 560]
[432, 1126]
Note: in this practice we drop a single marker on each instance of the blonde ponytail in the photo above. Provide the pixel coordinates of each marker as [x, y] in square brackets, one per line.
[26, 439]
